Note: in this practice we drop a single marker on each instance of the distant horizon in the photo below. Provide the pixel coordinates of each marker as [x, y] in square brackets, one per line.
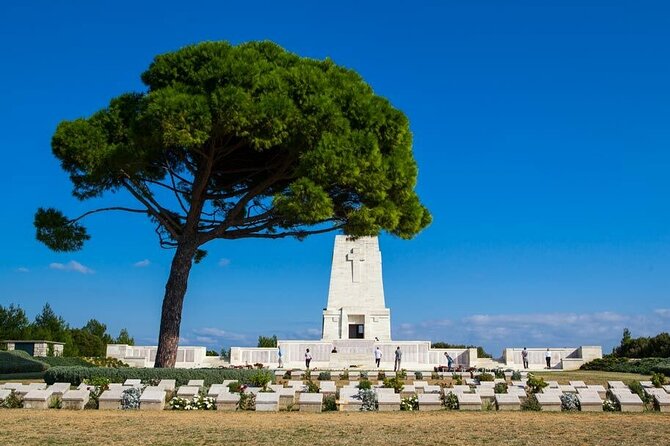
[540, 132]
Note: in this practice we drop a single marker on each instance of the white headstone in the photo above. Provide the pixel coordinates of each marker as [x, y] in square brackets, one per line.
[356, 307]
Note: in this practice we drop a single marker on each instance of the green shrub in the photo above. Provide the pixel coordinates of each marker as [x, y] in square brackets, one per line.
[516, 375]
[637, 388]
[535, 384]
[247, 401]
[395, 383]
[17, 361]
[402, 374]
[381, 375]
[658, 379]
[611, 406]
[531, 403]
[100, 385]
[450, 401]
[235, 387]
[312, 387]
[13, 401]
[418, 375]
[434, 375]
[130, 398]
[105, 362]
[76, 375]
[324, 376]
[56, 403]
[500, 388]
[260, 378]
[499, 373]
[410, 403]
[485, 377]
[458, 379]
[569, 402]
[345, 375]
[66, 361]
[645, 366]
[368, 400]
[329, 403]
[364, 384]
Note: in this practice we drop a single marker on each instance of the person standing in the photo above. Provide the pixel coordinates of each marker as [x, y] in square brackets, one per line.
[547, 357]
[378, 356]
[450, 362]
[524, 357]
[308, 358]
[398, 359]
[279, 357]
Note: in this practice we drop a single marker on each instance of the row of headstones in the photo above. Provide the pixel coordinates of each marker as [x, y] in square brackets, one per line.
[40, 396]
[631, 402]
[409, 375]
[590, 397]
[471, 396]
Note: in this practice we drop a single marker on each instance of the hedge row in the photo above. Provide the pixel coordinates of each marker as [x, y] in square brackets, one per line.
[67, 361]
[17, 361]
[642, 366]
[76, 375]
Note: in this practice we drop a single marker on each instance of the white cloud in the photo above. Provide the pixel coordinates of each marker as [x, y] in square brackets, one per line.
[206, 340]
[219, 334]
[72, 265]
[224, 262]
[22, 269]
[142, 263]
[663, 312]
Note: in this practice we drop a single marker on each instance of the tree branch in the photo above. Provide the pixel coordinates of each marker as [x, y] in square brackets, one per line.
[156, 213]
[114, 208]
[177, 192]
[300, 234]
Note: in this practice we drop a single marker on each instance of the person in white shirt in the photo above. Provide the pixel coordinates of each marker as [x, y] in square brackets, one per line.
[308, 358]
[378, 356]
[547, 357]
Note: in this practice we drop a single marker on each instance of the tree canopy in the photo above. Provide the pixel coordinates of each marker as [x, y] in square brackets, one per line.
[267, 341]
[13, 322]
[643, 347]
[90, 340]
[241, 141]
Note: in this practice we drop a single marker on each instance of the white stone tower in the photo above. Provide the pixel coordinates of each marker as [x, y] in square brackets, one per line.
[356, 308]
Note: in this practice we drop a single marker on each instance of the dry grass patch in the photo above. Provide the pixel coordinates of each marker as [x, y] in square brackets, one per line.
[590, 376]
[23, 427]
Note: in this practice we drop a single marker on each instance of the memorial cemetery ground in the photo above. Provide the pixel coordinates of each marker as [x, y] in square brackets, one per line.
[332, 428]
[485, 426]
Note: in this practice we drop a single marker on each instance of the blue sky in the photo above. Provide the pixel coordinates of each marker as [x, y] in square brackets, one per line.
[541, 132]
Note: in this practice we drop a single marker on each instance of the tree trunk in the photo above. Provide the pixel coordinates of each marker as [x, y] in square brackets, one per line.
[175, 290]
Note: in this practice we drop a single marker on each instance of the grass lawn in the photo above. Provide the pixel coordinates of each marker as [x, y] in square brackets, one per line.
[591, 376]
[60, 427]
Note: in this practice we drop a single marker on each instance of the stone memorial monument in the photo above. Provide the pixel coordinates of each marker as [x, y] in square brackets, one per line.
[356, 308]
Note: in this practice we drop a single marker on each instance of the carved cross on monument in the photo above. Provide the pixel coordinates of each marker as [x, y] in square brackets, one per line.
[355, 257]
